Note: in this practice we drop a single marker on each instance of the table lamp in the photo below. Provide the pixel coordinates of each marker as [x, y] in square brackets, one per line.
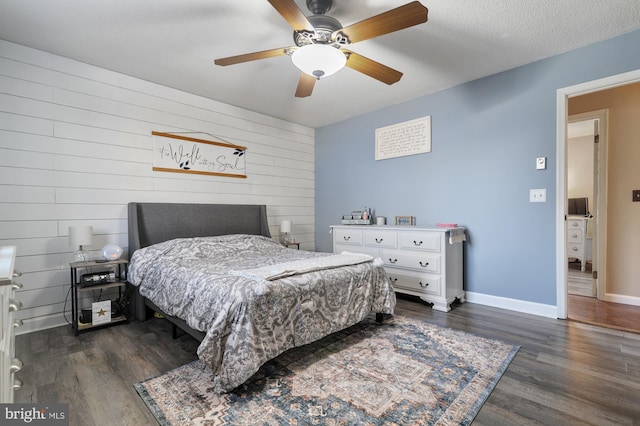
[285, 228]
[80, 236]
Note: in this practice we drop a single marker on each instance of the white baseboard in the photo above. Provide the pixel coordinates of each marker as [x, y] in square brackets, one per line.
[548, 311]
[42, 323]
[620, 298]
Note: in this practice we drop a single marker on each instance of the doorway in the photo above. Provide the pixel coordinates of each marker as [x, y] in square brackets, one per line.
[562, 119]
[586, 203]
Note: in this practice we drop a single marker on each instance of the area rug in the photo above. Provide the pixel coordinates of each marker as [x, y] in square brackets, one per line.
[400, 372]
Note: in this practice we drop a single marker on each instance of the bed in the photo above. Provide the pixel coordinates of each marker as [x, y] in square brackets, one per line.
[214, 271]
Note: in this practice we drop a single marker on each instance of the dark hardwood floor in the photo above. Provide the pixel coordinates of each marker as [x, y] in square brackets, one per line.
[565, 373]
[592, 311]
[583, 306]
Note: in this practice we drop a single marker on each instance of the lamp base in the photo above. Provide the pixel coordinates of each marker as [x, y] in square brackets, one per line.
[81, 256]
[285, 239]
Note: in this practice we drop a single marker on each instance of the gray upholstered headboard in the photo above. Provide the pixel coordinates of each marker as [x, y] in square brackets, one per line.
[152, 223]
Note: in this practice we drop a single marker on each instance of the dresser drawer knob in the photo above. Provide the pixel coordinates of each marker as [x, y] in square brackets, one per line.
[424, 264]
[425, 285]
[378, 240]
[392, 260]
[17, 286]
[394, 280]
[17, 274]
[17, 323]
[574, 248]
[14, 305]
[16, 365]
[17, 384]
[416, 243]
[347, 237]
[575, 235]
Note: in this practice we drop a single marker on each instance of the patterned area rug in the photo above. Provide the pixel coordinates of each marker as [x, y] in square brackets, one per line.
[400, 372]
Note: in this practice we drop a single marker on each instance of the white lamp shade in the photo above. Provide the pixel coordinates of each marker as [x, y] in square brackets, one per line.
[285, 226]
[318, 60]
[80, 236]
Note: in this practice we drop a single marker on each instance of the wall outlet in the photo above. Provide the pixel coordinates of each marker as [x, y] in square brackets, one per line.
[636, 194]
[538, 195]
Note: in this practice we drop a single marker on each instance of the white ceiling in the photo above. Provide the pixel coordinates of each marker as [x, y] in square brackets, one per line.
[174, 43]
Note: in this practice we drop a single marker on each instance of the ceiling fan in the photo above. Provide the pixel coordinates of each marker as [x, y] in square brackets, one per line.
[321, 41]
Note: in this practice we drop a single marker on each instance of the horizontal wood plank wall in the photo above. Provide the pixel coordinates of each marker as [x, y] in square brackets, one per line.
[75, 148]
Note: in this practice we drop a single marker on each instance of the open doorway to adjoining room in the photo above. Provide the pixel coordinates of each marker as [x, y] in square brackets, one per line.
[608, 103]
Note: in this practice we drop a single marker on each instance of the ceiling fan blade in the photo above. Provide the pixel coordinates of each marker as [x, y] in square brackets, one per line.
[282, 51]
[372, 68]
[292, 14]
[396, 19]
[305, 85]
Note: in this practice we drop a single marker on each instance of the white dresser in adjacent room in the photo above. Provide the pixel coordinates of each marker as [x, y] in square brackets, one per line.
[424, 262]
[577, 239]
[9, 364]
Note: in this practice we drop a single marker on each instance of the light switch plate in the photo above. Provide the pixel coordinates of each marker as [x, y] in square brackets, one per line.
[538, 195]
[541, 163]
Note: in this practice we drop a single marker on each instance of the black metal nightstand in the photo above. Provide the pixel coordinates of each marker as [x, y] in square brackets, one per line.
[119, 281]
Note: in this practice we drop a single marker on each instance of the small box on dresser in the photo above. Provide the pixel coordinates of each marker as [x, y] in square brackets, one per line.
[424, 262]
[9, 364]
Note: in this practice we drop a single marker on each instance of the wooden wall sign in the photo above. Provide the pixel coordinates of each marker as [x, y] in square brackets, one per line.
[408, 138]
[182, 154]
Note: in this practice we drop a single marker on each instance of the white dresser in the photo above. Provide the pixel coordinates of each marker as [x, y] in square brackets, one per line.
[9, 365]
[424, 262]
[577, 239]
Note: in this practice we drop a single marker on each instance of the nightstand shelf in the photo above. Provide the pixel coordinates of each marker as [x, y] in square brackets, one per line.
[119, 282]
[88, 326]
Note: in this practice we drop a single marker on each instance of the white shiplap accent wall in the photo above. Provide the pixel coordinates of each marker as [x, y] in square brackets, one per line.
[75, 148]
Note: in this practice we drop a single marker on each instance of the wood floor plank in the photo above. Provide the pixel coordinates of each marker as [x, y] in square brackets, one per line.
[564, 373]
[590, 310]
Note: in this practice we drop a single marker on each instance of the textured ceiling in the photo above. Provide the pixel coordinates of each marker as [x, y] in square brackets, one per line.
[174, 43]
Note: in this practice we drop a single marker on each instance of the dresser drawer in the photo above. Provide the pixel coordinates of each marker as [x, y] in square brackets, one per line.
[381, 238]
[371, 251]
[575, 224]
[574, 236]
[426, 241]
[574, 250]
[8, 306]
[422, 262]
[415, 281]
[347, 236]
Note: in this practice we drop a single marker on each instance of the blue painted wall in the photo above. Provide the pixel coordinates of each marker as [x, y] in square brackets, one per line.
[486, 135]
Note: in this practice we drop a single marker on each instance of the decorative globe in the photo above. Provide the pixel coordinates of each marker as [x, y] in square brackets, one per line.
[111, 252]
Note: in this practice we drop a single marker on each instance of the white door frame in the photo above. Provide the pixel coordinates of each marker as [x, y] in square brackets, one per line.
[562, 111]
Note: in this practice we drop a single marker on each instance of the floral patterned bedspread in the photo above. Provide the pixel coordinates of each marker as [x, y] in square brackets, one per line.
[249, 321]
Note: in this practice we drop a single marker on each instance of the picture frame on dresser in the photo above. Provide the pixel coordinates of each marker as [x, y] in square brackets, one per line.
[405, 220]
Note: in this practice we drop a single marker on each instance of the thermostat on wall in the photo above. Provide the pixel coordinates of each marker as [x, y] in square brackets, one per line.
[541, 163]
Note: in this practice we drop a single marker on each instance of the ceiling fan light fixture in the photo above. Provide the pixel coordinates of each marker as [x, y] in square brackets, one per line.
[319, 60]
